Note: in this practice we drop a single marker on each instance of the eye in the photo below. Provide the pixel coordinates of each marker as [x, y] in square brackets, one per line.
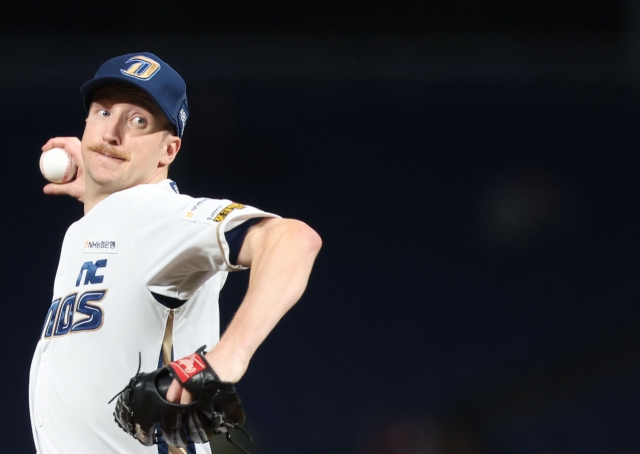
[103, 113]
[139, 121]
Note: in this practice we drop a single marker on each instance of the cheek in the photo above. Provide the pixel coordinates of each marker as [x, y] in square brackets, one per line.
[92, 134]
[147, 155]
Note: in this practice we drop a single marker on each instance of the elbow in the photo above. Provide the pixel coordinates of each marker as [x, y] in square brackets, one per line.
[315, 241]
[307, 237]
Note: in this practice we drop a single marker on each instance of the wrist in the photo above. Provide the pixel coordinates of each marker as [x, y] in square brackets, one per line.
[229, 362]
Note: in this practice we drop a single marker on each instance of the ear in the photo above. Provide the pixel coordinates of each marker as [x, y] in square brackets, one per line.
[172, 146]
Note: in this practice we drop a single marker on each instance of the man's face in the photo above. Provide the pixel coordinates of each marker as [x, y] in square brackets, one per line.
[125, 141]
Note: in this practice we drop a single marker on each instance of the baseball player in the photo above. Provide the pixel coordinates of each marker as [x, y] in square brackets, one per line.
[140, 273]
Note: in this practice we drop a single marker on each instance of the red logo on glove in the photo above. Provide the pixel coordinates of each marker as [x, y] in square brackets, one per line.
[187, 367]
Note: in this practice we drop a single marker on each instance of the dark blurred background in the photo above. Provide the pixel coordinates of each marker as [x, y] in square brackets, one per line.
[471, 166]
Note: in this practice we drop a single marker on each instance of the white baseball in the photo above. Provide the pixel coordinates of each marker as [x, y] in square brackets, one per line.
[57, 166]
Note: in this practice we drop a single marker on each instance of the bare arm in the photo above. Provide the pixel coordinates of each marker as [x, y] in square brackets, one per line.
[76, 187]
[281, 253]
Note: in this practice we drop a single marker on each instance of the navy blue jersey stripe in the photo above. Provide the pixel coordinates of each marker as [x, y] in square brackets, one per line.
[235, 238]
[167, 301]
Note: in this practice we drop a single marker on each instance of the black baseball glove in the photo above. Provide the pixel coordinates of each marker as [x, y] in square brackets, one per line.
[143, 412]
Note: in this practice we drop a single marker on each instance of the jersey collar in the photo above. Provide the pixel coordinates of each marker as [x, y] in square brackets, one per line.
[170, 185]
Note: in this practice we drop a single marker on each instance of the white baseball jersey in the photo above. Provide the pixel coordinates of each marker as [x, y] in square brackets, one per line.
[134, 249]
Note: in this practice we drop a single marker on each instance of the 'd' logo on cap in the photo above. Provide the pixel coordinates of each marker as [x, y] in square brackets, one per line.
[143, 67]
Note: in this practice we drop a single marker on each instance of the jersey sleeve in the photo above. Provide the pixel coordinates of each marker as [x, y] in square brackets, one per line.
[182, 241]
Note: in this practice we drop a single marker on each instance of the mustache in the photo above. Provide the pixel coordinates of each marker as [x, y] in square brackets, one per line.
[104, 148]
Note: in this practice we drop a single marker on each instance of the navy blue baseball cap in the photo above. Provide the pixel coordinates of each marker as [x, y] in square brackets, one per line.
[150, 74]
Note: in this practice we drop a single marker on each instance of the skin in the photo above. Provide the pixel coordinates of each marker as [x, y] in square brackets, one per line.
[125, 143]
[128, 141]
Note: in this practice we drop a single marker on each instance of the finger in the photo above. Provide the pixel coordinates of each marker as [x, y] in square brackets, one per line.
[71, 144]
[186, 397]
[50, 144]
[55, 189]
[56, 142]
[174, 392]
[74, 188]
[70, 188]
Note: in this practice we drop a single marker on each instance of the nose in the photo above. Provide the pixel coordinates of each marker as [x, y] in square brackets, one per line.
[112, 133]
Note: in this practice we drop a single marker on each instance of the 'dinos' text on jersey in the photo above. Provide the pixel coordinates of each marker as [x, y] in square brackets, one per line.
[78, 311]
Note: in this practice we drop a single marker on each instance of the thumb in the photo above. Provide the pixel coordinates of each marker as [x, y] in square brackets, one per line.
[54, 189]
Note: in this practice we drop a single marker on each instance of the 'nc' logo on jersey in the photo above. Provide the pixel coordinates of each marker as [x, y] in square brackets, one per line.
[143, 68]
[89, 270]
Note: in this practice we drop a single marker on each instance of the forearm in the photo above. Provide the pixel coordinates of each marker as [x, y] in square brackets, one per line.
[281, 258]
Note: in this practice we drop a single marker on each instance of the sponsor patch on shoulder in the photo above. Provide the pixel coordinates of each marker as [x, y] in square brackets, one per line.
[219, 213]
[193, 211]
[108, 244]
[225, 211]
[211, 214]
